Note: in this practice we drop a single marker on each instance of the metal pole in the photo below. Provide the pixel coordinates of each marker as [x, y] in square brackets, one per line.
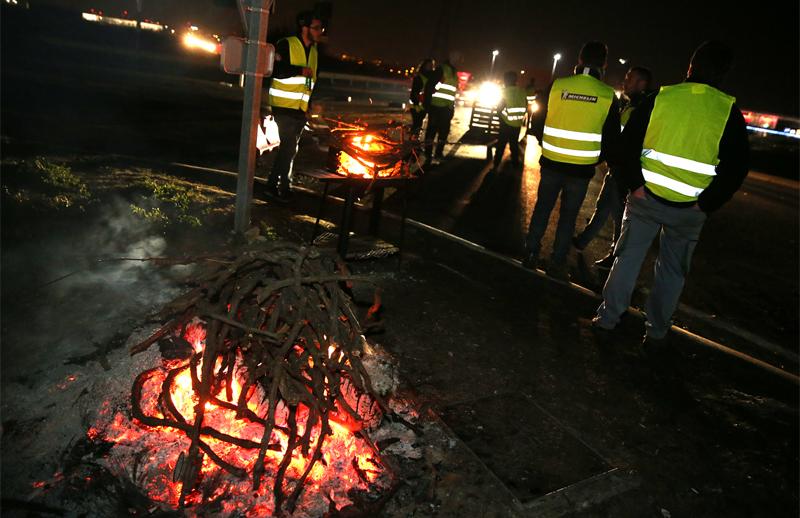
[257, 16]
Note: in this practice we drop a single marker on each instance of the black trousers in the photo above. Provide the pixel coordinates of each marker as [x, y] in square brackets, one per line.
[417, 117]
[438, 128]
[508, 135]
[290, 128]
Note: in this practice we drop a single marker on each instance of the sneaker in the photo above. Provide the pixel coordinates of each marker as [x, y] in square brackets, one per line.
[530, 261]
[606, 262]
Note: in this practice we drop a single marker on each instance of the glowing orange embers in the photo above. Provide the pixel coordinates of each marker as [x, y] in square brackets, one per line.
[326, 463]
[369, 155]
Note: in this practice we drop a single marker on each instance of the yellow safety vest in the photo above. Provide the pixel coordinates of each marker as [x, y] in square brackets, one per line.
[444, 93]
[681, 146]
[576, 112]
[294, 92]
[516, 106]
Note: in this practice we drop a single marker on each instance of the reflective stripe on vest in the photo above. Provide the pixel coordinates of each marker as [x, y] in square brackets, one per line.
[294, 92]
[576, 112]
[444, 93]
[516, 106]
[681, 146]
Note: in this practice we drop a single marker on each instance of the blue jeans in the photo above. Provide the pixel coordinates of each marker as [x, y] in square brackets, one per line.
[678, 230]
[609, 203]
[290, 127]
[573, 191]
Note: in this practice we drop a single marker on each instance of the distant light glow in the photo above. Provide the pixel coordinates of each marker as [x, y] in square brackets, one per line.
[192, 41]
[122, 22]
[489, 94]
[622, 61]
[784, 133]
[495, 53]
[557, 56]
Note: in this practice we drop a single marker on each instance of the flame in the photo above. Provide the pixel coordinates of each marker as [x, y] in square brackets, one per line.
[350, 166]
[348, 460]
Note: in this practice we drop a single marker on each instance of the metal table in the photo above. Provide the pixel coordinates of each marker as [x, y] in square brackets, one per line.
[353, 185]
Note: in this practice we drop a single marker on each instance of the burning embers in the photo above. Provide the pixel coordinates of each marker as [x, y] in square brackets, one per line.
[267, 410]
[359, 153]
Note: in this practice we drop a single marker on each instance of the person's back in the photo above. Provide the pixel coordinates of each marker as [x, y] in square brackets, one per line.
[513, 107]
[442, 89]
[579, 129]
[684, 153]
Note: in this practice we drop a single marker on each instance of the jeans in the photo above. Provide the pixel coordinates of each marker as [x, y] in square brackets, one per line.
[679, 230]
[573, 191]
[290, 127]
[609, 203]
[438, 126]
[507, 135]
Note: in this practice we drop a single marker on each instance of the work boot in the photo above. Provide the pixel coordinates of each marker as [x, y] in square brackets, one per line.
[558, 271]
[530, 261]
[606, 262]
[598, 325]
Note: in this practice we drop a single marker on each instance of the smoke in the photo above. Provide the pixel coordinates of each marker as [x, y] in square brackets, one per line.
[67, 293]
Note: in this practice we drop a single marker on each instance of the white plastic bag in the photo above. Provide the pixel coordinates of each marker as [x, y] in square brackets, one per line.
[267, 137]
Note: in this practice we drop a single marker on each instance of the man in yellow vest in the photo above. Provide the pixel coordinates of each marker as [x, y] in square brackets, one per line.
[578, 129]
[513, 107]
[684, 153]
[419, 104]
[611, 200]
[441, 90]
[293, 78]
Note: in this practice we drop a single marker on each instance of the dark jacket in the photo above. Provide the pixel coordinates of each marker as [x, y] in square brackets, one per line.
[608, 148]
[417, 88]
[734, 157]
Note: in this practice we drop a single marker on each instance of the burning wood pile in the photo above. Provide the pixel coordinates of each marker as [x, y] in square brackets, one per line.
[268, 405]
[358, 152]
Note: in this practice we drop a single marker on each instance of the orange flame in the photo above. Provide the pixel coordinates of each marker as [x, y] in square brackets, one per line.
[333, 478]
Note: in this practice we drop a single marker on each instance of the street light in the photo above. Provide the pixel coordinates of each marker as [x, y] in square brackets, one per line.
[556, 57]
[622, 61]
[494, 56]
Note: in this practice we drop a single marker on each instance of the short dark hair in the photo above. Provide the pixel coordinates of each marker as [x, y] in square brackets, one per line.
[712, 60]
[304, 18]
[510, 78]
[593, 54]
[644, 73]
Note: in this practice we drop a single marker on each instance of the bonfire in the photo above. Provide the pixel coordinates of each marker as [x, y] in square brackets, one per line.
[262, 405]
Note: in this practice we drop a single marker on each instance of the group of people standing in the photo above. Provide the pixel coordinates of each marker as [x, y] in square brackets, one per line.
[674, 156]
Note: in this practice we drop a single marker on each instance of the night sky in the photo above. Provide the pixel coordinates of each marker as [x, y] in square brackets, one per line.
[658, 35]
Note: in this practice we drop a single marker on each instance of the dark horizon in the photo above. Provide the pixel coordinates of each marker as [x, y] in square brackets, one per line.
[661, 37]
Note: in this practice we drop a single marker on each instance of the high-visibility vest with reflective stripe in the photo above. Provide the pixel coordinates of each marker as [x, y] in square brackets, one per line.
[416, 105]
[576, 112]
[681, 146]
[294, 92]
[444, 93]
[516, 106]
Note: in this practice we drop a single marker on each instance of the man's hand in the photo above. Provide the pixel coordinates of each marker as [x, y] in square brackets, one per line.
[307, 72]
[639, 193]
